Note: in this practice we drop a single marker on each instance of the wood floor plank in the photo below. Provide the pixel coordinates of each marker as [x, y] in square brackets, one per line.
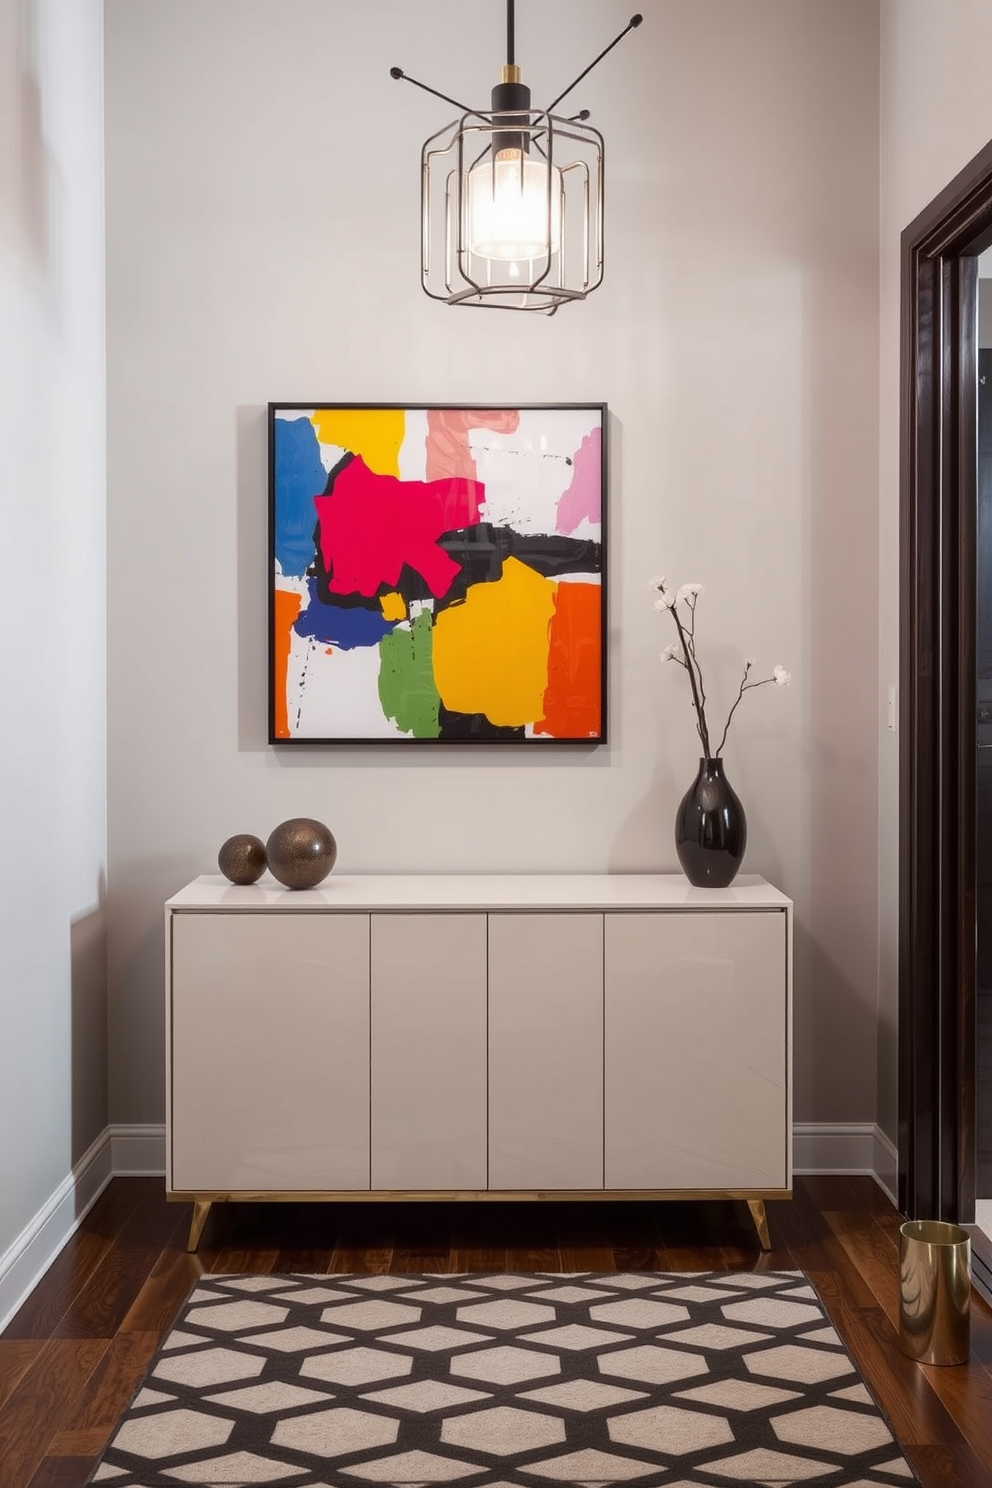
[161, 1295]
[478, 1259]
[477, 1246]
[62, 1472]
[632, 1258]
[106, 1298]
[41, 1402]
[873, 1255]
[16, 1357]
[88, 1425]
[79, 1258]
[423, 1241]
[233, 1260]
[688, 1238]
[948, 1466]
[585, 1239]
[872, 1195]
[532, 1243]
[365, 1239]
[831, 1190]
[308, 1243]
[966, 1395]
[816, 1248]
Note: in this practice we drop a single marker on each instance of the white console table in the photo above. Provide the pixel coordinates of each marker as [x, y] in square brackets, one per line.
[614, 1036]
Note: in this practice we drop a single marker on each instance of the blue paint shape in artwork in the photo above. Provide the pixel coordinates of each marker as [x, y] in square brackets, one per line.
[300, 477]
[345, 627]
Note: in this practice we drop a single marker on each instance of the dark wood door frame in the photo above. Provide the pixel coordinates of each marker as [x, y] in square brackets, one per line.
[937, 663]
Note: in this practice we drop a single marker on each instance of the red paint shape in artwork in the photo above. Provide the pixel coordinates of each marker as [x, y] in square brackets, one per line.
[370, 525]
[449, 453]
[583, 497]
[573, 700]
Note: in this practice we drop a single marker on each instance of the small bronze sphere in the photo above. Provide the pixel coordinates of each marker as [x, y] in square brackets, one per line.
[242, 858]
[301, 852]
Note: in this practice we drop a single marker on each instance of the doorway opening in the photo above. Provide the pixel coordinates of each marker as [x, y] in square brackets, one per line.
[945, 846]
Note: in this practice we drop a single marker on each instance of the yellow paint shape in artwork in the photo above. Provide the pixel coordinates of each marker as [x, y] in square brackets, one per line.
[491, 652]
[393, 606]
[374, 433]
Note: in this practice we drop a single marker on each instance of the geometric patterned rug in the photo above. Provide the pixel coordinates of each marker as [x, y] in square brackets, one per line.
[503, 1381]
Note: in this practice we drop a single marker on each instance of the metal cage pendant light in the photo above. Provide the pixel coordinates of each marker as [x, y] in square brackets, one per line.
[512, 198]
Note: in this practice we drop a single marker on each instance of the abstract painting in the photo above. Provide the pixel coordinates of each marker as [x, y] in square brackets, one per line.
[437, 574]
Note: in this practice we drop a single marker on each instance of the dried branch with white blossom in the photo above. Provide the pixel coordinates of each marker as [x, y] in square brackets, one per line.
[683, 652]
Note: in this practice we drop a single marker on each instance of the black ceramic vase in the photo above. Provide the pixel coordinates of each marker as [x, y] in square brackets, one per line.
[710, 829]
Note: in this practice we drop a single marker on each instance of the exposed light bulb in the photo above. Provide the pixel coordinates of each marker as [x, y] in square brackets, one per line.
[508, 208]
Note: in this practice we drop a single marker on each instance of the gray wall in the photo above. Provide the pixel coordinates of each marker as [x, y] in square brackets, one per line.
[985, 313]
[53, 1055]
[262, 190]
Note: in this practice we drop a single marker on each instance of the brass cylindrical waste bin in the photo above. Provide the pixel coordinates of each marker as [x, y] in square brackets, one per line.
[935, 1291]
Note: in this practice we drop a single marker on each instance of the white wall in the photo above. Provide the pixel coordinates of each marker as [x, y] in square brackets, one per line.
[262, 244]
[53, 1056]
[936, 114]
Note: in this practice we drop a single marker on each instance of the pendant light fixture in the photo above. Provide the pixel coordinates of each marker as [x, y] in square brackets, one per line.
[512, 197]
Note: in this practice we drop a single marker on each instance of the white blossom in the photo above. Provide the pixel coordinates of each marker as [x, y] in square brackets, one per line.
[658, 582]
[672, 652]
[665, 602]
[687, 592]
[749, 661]
[781, 677]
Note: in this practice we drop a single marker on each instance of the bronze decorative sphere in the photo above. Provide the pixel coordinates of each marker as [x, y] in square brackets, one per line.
[301, 852]
[242, 858]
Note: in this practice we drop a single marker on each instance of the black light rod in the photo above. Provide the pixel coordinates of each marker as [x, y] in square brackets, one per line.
[398, 73]
[634, 21]
[510, 37]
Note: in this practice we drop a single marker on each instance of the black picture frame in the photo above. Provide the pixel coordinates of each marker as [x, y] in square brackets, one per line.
[437, 573]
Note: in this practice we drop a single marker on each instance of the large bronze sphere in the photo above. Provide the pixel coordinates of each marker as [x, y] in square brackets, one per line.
[301, 852]
[242, 858]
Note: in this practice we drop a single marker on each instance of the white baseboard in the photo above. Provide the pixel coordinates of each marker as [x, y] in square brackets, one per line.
[137, 1151]
[846, 1147]
[25, 1261]
[885, 1167]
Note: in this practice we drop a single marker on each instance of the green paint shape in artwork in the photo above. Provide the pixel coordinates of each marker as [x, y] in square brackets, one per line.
[406, 678]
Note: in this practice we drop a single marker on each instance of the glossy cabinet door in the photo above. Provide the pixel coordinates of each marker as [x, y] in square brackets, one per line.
[429, 1051]
[546, 1051]
[696, 1038]
[269, 1052]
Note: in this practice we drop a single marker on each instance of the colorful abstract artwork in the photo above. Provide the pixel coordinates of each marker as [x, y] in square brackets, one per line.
[437, 574]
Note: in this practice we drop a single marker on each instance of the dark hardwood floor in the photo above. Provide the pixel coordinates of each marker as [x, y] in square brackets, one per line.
[72, 1356]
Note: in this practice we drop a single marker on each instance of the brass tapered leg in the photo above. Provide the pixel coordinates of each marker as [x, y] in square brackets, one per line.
[201, 1208]
[757, 1208]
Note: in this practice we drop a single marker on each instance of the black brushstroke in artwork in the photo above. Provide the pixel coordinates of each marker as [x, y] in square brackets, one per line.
[480, 552]
[472, 726]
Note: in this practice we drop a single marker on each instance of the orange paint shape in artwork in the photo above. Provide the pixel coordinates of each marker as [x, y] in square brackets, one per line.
[573, 699]
[287, 608]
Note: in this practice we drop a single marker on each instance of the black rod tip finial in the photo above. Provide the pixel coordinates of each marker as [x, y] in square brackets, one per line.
[582, 115]
[636, 20]
[396, 72]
